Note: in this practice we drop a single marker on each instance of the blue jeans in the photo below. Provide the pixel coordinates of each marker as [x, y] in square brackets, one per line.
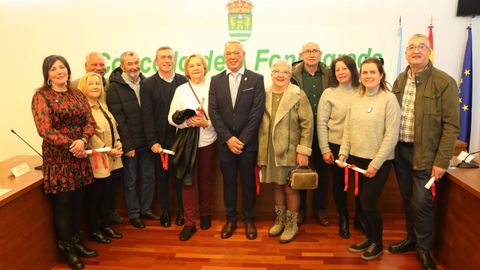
[143, 160]
[417, 199]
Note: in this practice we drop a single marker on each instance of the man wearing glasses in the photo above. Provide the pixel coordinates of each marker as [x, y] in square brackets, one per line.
[312, 76]
[429, 127]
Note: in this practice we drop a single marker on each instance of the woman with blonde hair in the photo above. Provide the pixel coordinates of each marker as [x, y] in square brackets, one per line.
[193, 96]
[106, 165]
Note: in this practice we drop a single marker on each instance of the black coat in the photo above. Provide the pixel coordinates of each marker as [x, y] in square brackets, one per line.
[185, 147]
[123, 104]
[156, 96]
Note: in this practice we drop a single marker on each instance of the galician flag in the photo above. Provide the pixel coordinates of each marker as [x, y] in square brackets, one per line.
[396, 67]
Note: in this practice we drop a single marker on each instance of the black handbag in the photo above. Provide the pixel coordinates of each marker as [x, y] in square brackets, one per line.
[302, 177]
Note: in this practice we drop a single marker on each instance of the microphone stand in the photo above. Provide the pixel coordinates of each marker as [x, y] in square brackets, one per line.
[39, 167]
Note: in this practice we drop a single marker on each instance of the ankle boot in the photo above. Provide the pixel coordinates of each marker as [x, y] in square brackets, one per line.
[291, 229]
[68, 253]
[81, 249]
[343, 229]
[279, 224]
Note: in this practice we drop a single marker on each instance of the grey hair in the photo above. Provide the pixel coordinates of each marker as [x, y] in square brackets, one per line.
[238, 43]
[92, 54]
[282, 62]
[310, 43]
[125, 54]
[418, 35]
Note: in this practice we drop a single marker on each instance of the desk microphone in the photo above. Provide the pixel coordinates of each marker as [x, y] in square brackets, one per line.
[37, 167]
[464, 164]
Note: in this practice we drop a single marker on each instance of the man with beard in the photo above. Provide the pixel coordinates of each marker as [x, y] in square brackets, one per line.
[123, 99]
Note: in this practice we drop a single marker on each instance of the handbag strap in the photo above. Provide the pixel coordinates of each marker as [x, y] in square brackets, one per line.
[198, 100]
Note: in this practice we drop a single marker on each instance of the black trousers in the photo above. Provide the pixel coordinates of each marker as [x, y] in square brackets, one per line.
[97, 197]
[338, 185]
[320, 193]
[229, 165]
[67, 213]
[369, 192]
[112, 198]
[163, 185]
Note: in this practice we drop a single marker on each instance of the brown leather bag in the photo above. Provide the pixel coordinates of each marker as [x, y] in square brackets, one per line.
[303, 177]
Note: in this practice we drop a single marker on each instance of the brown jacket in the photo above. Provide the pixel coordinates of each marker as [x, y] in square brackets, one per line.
[103, 138]
[293, 128]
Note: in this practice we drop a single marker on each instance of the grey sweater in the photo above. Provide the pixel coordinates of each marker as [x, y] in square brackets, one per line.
[331, 114]
[371, 127]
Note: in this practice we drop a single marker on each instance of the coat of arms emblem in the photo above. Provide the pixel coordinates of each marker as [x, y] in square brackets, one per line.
[240, 19]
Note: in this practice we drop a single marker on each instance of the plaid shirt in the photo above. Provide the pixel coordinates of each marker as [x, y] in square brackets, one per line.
[407, 123]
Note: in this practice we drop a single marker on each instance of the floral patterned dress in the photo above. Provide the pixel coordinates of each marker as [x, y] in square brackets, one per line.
[61, 118]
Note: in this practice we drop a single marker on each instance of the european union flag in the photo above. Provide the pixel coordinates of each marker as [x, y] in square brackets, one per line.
[465, 95]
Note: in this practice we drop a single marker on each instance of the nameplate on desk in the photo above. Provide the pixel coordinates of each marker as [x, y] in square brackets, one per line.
[19, 170]
[4, 191]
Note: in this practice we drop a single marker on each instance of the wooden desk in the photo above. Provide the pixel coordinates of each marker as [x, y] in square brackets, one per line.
[457, 219]
[27, 239]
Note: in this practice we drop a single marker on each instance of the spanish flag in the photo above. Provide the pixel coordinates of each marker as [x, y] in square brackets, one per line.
[430, 39]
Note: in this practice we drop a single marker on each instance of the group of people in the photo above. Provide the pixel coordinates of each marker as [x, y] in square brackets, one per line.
[310, 114]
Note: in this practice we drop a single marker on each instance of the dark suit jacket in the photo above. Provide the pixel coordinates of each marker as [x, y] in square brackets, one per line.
[244, 119]
[156, 96]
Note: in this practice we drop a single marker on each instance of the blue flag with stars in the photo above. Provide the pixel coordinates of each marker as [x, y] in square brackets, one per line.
[465, 95]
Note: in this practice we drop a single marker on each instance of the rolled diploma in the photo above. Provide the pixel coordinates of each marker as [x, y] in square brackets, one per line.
[362, 171]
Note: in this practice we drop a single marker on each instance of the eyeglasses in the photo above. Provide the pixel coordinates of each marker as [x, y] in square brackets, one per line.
[278, 72]
[311, 51]
[420, 47]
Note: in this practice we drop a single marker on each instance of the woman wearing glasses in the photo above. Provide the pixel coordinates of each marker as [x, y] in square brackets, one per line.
[285, 140]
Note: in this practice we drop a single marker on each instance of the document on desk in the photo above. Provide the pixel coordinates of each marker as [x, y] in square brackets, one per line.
[4, 191]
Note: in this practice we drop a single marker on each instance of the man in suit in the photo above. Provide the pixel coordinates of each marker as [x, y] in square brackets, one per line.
[156, 93]
[236, 106]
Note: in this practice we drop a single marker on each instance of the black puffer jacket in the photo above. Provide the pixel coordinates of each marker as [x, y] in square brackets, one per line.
[123, 104]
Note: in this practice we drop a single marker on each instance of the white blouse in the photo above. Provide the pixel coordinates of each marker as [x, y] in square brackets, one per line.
[185, 99]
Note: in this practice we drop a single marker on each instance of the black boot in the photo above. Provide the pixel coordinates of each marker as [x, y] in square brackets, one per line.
[69, 255]
[81, 249]
[343, 229]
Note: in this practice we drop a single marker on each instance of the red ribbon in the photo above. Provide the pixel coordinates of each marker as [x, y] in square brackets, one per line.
[433, 192]
[346, 178]
[164, 158]
[95, 154]
[257, 179]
